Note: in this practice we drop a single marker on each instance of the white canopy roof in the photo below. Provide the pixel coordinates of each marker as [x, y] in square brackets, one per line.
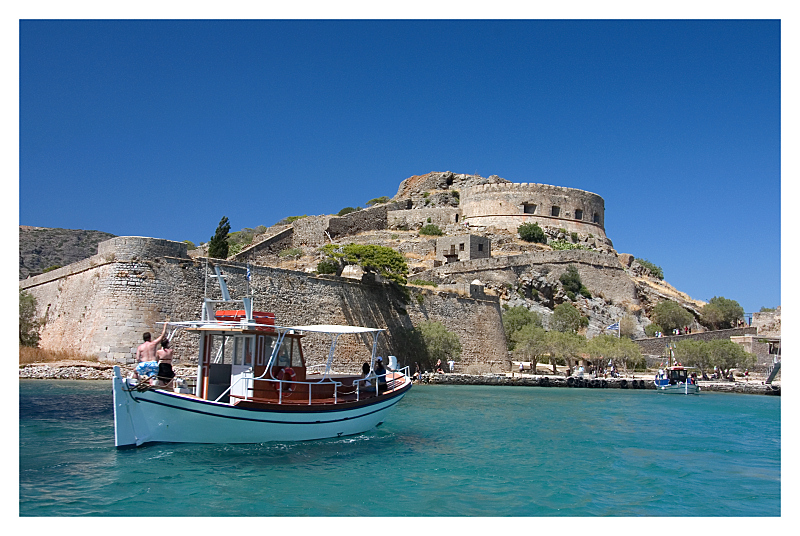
[330, 328]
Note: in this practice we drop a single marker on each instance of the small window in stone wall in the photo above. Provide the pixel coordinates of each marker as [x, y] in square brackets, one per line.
[480, 247]
[461, 247]
[555, 211]
[456, 218]
[596, 218]
[578, 214]
[528, 208]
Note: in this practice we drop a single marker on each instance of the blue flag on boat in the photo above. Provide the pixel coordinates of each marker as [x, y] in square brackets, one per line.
[613, 326]
[248, 272]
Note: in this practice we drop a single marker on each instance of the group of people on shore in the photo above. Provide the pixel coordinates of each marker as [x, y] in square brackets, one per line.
[677, 331]
[438, 369]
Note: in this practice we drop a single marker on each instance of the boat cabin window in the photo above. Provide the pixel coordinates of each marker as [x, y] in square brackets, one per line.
[222, 347]
[243, 350]
[289, 354]
[679, 375]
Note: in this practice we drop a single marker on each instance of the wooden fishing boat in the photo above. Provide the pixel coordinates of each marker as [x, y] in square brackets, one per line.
[676, 380]
[253, 386]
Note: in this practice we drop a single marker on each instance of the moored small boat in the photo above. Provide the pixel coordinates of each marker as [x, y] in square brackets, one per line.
[676, 380]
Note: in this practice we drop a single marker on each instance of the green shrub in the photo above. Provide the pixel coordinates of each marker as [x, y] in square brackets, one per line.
[531, 232]
[385, 261]
[563, 245]
[585, 292]
[234, 249]
[562, 230]
[429, 219]
[650, 329]
[51, 268]
[670, 315]
[655, 270]
[327, 267]
[431, 229]
[189, 245]
[571, 295]
[420, 299]
[28, 325]
[347, 210]
[574, 237]
[422, 282]
[378, 200]
[290, 252]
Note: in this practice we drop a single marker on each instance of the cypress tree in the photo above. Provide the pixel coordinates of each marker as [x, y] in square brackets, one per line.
[218, 245]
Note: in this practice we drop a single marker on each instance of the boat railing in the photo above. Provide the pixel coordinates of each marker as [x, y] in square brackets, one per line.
[392, 382]
[336, 387]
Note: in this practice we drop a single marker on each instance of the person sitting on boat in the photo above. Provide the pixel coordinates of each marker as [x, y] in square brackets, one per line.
[165, 372]
[147, 365]
[365, 386]
[380, 371]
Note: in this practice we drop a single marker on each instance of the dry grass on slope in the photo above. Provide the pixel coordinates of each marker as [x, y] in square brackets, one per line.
[29, 355]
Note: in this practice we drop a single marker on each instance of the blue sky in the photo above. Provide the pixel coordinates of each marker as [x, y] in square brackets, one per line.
[159, 128]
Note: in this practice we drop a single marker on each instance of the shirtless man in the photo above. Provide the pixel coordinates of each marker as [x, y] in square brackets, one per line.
[146, 363]
[165, 373]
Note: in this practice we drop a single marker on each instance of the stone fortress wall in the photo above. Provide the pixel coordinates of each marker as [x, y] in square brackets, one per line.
[102, 305]
[507, 205]
[503, 205]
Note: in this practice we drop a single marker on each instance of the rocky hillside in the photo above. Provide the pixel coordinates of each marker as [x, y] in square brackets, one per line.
[41, 248]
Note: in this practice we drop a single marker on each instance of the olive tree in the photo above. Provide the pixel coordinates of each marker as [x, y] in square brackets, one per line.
[530, 343]
[438, 342]
[515, 318]
[694, 354]
[726, 355]
[669, 315]
[620, 350]
[28, 325]
[721, 313]
[566, 318]
[564, 346]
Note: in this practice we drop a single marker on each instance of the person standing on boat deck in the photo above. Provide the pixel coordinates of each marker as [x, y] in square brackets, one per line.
[380, 371]
[165, 373]
[146, 355]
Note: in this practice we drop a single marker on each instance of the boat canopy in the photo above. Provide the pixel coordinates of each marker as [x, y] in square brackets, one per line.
[330, 328]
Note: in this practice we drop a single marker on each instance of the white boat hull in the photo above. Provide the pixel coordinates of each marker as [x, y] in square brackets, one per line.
[679, 389]
[161, 416]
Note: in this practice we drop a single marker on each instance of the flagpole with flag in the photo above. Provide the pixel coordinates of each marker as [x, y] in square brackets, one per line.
[247, 276]
[615, 326]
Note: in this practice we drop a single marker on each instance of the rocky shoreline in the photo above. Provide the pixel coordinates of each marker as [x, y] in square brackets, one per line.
[640, 382]
[104, 371]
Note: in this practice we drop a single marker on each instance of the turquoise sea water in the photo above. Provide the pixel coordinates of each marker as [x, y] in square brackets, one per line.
[444, 451]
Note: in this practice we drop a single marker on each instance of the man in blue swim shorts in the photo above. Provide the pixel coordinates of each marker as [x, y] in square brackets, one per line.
[147, 365]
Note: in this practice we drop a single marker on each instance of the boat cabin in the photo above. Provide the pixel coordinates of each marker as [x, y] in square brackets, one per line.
[250, 362]
[677, 375]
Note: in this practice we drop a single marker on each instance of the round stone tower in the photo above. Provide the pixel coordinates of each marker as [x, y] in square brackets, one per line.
[507, 205]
